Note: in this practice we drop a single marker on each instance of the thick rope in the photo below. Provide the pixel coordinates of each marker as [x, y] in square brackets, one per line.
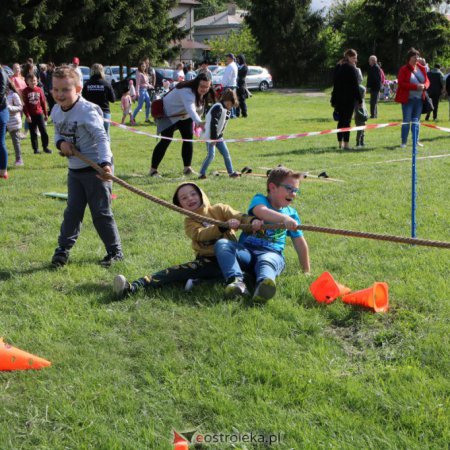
[201, 219]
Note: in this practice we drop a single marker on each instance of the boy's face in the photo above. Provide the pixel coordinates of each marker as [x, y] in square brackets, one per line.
[189, 198]
[283, 194]
[65, 91]
[31, 82]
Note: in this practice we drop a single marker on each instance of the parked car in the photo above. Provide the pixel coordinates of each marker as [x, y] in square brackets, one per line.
[86, 72]
[257, 78]
[112, 73]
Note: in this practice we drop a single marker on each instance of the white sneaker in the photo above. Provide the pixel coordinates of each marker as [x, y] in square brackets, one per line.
[402, 145]
[420, 144]
[121, 286]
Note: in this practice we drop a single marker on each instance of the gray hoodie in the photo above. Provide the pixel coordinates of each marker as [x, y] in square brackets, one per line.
[82, 125]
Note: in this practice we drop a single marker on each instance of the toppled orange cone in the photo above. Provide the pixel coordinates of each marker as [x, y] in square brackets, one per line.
[326, 290]
[179, 442]
[12, 358]
[375, 297]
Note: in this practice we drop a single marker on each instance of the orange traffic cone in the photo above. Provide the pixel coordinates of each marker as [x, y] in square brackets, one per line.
[375, 297]
[12, 358]
[326, 290]
[180, 443]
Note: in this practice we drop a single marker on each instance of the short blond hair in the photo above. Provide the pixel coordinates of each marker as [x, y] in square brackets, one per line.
[67, 72]
[280, 173]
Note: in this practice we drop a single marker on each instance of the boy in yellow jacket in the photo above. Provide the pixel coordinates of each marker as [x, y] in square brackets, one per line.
[204, 236]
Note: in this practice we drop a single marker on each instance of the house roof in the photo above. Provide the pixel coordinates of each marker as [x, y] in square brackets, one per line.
[222, 19]
[189, 2]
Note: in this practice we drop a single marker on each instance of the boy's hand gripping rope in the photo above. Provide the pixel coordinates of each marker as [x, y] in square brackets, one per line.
[201, 219]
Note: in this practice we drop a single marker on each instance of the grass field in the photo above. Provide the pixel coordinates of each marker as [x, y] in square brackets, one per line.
[125, 373]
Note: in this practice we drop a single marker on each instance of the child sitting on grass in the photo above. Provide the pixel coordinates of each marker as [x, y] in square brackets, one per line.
[79, 126]
[216, 121]
[263, 251]
[204, 235]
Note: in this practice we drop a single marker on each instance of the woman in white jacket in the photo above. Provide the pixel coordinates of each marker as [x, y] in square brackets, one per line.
[14, 124]
[216, 121]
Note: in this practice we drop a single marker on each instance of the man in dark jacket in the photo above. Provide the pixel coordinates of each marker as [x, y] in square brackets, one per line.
[447, 88]
[437, 84]
[374, 84]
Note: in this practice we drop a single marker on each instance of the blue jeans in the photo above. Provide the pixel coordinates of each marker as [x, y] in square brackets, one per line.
[233, 258]
[411, 113]
[143, 97]
[106, 124]
[4, 117]
[222, 147]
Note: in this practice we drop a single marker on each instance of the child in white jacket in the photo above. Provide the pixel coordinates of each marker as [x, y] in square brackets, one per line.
[216, 121]
[14, 124]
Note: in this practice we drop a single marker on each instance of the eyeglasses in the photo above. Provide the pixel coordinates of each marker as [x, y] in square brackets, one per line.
[289, 188]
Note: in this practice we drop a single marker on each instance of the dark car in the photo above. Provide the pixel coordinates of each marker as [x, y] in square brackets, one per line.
[161, 74]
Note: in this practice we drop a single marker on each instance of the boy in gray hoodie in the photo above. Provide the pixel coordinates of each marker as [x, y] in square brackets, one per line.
[79, 125]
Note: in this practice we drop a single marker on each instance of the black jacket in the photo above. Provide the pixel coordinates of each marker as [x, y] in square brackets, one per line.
[374, 78]
[435, 88]
[345, 86]
[242, 73]
[99, 91]
[3, 86]
[447, 84]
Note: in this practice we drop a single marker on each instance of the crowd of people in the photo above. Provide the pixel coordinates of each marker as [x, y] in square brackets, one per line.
[417, 87]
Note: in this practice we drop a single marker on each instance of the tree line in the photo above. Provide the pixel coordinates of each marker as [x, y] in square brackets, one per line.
[285, 35]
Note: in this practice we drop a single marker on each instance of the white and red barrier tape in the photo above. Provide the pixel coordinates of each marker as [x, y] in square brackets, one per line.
[281, 137]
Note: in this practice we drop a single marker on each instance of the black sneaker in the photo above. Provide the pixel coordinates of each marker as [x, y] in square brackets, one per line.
[60, 257]
[111, 258]
[234, 175]
[236, 288]
[265, 290]
[202, 177]
[121, 286]
[47, 150]
[37, 152]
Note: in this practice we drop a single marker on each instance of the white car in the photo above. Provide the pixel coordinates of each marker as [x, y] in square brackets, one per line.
[257, 78]
[86, 72]
[112, 73]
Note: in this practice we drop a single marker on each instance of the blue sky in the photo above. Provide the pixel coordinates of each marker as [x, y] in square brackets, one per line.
[317, 4]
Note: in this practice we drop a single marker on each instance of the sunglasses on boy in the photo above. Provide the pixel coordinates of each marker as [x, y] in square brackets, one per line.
[289, 188]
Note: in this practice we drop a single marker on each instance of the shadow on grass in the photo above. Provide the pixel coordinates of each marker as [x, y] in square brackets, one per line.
[8, 274]
[318, 151]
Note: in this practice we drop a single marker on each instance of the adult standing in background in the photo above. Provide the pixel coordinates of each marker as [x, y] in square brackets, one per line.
[17, 79]
[150, 72]
[142, 87]
[447, 88]
[4, 117]
[190, 74]
[346, 94]
[229, 77]
[412, 83]
[437, 87]
[374, 83]
[99, 91]
[241, 86]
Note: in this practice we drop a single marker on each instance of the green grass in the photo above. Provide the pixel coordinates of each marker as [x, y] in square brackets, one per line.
[126, 373]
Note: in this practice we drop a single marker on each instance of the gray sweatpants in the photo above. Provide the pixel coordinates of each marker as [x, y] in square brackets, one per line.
[84, 188]
[16, 143]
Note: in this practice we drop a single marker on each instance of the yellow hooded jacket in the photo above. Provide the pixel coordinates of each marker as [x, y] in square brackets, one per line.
[205, 235]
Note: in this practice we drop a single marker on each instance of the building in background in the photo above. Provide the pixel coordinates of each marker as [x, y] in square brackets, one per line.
[220, 24]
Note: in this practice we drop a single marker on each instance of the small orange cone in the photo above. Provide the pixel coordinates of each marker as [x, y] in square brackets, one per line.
[375, 297]
[179, 442]
[12, 358]
[326, 290]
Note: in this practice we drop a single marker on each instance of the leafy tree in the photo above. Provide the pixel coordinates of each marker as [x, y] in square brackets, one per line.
[94, 30]
[236, 42]
[375, 27]
[288, 36]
